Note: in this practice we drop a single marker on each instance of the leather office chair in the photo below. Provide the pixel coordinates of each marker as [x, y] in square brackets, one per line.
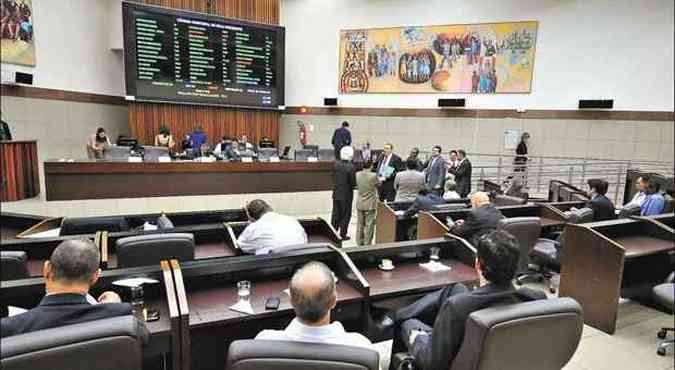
[284, 355]
[506, 200]
[90, 225]
[264, 154]
[664, 295]
[526, 230]
[520, 336]
[108, 344]
[326, 155]
[13, 265]
[116, 153]
[669, 203]
[152, 153]
[546, 253]
[303, 154]
[629, 210]
[150, 249]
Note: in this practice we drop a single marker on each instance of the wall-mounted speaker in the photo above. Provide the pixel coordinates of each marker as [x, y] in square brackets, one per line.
[24, 78]
[330, 102]
[596, 104]
[454, 103]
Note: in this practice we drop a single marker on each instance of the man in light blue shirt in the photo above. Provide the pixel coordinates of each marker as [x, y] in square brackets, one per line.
[654, 202]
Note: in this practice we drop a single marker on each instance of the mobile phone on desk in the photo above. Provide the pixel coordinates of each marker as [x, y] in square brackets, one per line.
[272, 303]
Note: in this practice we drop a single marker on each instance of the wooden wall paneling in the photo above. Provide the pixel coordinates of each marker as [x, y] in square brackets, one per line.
[19, 170]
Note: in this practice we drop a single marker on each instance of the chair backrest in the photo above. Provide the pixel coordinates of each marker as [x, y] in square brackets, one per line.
[526, 230]
[540, 334]
[284, 355]
[629, 210]
[150, 249]
[152, 153]
[13, 265]
[116, 153]
[303, 154]
[326, 155]
[669, 203]
[581, 216]
[90, 225]
[506, 200]
[264, 154]
[90, 345]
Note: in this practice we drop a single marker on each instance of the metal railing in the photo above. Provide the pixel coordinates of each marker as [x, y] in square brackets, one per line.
[540, 170]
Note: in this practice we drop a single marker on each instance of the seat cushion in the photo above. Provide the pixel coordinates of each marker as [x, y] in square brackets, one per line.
[664, 294]
[545, 252]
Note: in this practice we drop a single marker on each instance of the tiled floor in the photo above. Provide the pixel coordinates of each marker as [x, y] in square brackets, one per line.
[632, 347]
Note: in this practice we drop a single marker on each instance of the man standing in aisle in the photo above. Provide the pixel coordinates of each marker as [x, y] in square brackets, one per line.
[462, 174]
[366, 204]
[435, 172]
[341, 138]
[344, 181]
[386, 167]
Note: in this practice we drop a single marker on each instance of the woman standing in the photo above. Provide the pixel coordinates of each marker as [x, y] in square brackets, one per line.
[521, 153]
[98, 142]
[164, 138]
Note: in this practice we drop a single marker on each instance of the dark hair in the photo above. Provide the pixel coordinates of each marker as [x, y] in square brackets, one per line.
[226, 138]
[74, 261]
[652, 185]
[439, 148]
[523, 136]
[423, 191]
[416, 150]
[462, 152]
[599, 185]
[98, 132]
[345, 124]
[164, 130]
[311, 306]
[453, 151]
[257, 208]
[498, 254]
[369, 164]
[411, 164]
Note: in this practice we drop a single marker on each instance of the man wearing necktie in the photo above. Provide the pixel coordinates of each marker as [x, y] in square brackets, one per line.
[435, 172]
[387, 165]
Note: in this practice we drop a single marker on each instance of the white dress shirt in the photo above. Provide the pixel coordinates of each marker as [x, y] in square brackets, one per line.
[271, 231]
[329, 334]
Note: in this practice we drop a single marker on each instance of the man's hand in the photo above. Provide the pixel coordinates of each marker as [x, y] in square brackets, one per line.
[109, 297]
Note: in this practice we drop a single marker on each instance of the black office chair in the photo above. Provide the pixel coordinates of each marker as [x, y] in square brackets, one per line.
[13, 265]
[664, 295]
[326, 155]
[90, 225]
[285, 355]
[669, 203]
[629, 210]
[540, 335]
[303, 154]
[150, 249]
[546, 254]
[109, 344]
[264, 154]
[526, 230]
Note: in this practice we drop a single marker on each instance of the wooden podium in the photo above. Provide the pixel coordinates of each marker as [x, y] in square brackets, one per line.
[20, 176]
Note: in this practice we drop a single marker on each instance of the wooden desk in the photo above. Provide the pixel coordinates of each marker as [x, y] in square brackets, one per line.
[603, 261]
[390, 224]
[20, 176]
[65, 181]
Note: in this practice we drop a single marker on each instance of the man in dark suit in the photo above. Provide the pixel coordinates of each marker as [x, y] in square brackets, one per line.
[414, 156]
[436, 171]
[387, 166]
[425, 201]
[432, 329]
[344, 182]
[483, 218]
[341, 138]
[5, 133]
[462, 174]
[603, 208]
[71, 270]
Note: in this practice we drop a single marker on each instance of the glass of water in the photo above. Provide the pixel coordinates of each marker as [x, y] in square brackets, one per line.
[435, 254]
[244, 290]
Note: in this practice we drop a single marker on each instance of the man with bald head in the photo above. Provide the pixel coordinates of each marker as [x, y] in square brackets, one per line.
[483, 218]
[71, 270]
[313, 296]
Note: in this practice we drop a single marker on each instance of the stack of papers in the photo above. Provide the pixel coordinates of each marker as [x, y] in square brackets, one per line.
[435, 266]
[243, 306]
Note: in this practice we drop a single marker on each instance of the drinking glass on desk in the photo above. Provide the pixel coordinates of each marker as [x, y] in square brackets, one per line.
[244, 290]
[435, 255]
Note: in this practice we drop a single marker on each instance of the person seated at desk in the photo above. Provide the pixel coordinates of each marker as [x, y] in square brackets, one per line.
[415, 156]
[269, 230]
[483, 218]
[603, 208]
[408, 183]
[245, 146]
[448, 309]
[226, 149]
[654, 202]
[450, 192]
[641, 186]
[425, 201]
[98, 142]
[5, 133]
[164, 138]
[70, 272]
[265, 142]
[197, 139]
[313, 296]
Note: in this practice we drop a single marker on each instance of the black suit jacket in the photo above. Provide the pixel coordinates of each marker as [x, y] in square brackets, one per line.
[341, 137]
[5, 133]
[344, 181]
[395, 162]
[59, 310]
[462, 177]
[603, 208]
[478, 221]
[437, 350]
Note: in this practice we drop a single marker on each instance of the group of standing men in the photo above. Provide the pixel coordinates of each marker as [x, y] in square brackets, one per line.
[382, 178]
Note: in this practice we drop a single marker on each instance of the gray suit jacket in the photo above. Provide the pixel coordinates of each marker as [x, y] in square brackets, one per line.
[366, 183]
[407, 184]
[435, 173]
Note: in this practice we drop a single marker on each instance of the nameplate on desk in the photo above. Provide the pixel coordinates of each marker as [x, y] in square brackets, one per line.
[274, 159]
[246, 159]
[312, 159]
[164, 159]
[135, 159]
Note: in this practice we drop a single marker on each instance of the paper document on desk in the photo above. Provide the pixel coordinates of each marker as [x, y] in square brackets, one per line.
[435, 266]
[399, 213]
[243, 307]
[134, 282]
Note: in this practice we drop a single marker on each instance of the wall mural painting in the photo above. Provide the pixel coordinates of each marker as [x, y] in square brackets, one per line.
[471, 59]
[16, 32]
